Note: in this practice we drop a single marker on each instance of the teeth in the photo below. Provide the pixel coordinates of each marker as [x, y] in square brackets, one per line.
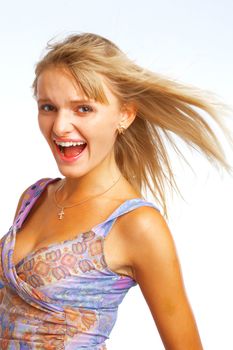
[68, 144]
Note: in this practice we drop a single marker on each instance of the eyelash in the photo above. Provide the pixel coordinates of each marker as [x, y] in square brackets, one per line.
[42, 107]
[81, 106]
[86, 106]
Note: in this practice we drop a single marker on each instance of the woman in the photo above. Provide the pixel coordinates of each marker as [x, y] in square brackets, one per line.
[79, 243]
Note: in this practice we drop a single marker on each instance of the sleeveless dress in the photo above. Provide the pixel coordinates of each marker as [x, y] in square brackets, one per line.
[62, 296]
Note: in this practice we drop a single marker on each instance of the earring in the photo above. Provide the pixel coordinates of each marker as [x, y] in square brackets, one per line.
[121, 129]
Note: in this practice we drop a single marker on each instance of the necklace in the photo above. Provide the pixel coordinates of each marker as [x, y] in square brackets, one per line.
[61, 212]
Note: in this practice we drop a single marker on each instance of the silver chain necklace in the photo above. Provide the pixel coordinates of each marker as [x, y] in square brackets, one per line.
[61, 212]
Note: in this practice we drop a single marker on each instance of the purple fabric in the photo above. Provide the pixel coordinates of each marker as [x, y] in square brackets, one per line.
[62, 296]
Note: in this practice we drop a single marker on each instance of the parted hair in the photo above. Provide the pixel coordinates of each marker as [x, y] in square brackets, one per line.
[165, 108]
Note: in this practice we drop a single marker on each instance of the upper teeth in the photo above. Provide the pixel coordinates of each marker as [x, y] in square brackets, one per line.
[68, 144]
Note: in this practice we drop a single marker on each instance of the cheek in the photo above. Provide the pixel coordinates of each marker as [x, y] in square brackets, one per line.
[103, 137]
[44, 125]
[105, 127]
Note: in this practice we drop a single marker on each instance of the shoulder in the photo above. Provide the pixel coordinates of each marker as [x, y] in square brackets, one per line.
[147, 238]
[25, 194]
[143, 222]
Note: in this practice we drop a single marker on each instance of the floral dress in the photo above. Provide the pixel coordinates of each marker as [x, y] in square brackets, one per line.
[61, 296]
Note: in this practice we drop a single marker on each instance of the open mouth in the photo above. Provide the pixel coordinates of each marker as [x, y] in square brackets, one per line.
[70, 151]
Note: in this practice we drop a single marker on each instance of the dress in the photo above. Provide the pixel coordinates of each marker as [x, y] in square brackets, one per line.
[62, 296]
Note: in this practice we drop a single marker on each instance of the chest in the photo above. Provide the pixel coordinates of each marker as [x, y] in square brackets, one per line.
[42, 227]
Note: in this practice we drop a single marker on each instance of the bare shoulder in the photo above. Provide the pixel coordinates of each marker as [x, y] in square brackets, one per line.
[151, 241]
[145, 218]
[143, 228]
[146, 237]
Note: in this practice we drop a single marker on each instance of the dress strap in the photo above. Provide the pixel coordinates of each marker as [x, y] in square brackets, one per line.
[29, 198]
[104, 227]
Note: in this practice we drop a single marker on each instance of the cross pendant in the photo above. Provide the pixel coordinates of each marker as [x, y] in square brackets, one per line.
[61, 214]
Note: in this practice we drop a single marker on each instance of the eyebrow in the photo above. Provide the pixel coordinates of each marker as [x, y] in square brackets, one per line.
[71, 102]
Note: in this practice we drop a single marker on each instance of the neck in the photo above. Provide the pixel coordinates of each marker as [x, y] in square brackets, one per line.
[75, 189]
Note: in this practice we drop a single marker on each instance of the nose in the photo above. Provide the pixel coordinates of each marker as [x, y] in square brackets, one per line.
[63, 122]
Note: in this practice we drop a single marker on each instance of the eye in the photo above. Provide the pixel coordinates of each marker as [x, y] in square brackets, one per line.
[85, 109]
[44, 107]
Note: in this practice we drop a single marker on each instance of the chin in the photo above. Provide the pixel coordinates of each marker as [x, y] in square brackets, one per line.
[68, 172]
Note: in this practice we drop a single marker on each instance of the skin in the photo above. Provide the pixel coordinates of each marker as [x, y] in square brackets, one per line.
[94, 122]
[140, 242]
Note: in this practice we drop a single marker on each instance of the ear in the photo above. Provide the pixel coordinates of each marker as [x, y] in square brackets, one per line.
[128, 114]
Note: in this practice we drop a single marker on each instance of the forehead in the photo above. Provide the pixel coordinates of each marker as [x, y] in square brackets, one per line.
[52, 80]
[58, 82]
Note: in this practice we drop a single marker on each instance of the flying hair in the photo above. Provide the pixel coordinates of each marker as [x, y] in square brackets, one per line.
[166, 109]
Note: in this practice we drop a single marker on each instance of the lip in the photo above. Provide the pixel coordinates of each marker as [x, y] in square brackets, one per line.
[70, 159]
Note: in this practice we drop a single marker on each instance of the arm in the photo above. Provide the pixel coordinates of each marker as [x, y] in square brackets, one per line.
[156, 268]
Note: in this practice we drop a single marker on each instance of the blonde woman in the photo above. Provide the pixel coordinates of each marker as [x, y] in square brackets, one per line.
[79, 243]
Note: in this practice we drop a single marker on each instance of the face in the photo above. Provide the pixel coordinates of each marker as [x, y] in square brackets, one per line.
[64, 113]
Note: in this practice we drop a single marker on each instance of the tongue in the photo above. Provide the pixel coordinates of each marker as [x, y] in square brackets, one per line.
[73, 151]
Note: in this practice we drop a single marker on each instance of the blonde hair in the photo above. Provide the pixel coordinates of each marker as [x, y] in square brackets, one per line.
[164, 107]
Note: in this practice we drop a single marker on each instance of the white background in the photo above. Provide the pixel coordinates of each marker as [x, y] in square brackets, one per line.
[189, 40]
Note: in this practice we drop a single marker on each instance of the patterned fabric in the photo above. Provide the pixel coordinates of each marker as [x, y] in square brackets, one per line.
[62, 296]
